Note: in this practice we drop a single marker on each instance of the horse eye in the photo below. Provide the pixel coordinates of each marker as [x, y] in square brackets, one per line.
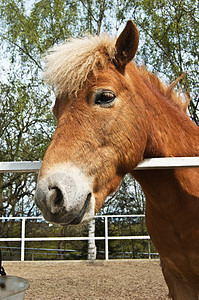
[104, 98]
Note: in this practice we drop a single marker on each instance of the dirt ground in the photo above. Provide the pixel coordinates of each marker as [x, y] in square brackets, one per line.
[84, 280]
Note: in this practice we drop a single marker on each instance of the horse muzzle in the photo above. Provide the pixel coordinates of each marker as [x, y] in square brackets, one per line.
[64, 196]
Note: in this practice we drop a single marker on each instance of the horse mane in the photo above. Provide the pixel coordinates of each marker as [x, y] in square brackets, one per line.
[178, 98]
[68, 66]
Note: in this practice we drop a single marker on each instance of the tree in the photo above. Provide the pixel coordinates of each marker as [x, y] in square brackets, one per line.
[171, 40]
[27, 122]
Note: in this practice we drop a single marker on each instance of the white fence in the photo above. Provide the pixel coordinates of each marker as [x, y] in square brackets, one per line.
[23, 239]
[153, 163]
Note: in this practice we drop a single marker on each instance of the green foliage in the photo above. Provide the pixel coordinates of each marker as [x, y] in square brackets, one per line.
[171, 41]
[25, 121]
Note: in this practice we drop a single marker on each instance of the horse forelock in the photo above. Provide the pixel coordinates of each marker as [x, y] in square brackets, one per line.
[68, 66]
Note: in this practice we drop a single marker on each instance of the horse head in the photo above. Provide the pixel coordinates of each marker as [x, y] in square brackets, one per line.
[101, 130]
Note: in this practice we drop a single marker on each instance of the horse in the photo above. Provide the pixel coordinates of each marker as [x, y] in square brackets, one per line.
[111, 115]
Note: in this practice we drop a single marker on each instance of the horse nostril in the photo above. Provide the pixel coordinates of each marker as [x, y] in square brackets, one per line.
[56, 199]
[88, 197]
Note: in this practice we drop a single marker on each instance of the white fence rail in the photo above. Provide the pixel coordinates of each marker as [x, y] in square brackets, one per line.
[150, 163]
[153, 163]
[23, 239]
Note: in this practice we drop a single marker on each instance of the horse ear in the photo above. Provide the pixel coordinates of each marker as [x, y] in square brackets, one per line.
[126, 45]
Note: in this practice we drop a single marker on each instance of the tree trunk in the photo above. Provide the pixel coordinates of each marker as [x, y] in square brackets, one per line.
[1, 201]
[1, 194]
[91, 242]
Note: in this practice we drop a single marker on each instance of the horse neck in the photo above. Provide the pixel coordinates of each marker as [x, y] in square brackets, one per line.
[170, 130]
[170, 133]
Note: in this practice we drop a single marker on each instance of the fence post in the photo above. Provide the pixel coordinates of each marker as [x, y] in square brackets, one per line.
[106, 237]
[23, 239]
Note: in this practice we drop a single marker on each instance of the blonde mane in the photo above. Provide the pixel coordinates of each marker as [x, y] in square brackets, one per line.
[69, 65]
[179, 98]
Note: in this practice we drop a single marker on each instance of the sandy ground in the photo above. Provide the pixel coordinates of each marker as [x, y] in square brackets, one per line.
[99, 280]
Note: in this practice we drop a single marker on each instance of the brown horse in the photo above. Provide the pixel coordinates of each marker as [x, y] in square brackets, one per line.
[111, 115]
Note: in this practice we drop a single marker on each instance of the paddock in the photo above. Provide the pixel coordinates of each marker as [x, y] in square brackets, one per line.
[115, 279]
